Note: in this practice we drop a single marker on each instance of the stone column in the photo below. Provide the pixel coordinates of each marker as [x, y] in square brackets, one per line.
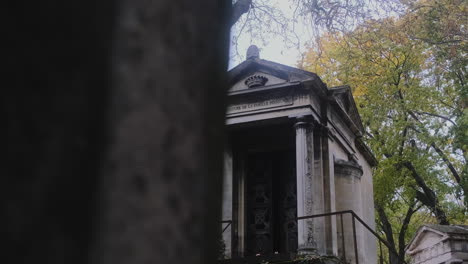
[307, 243]
[227, 201]
[331, 247]
[348, 185]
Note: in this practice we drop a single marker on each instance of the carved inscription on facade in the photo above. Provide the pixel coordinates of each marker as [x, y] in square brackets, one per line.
[254, 106]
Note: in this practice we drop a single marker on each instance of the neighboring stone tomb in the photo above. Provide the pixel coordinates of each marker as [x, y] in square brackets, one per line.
[294, 149]
[436, 244]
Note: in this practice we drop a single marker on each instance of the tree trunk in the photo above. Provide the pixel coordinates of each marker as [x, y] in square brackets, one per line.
[404, 228]
[114, 131]
[387, 229]
[427, 196]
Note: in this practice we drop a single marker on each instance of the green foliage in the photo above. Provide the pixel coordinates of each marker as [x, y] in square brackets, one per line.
[310, 259]
[409, 77]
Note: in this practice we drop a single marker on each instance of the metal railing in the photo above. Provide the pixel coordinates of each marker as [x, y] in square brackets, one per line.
[228, 222]
[354, 217]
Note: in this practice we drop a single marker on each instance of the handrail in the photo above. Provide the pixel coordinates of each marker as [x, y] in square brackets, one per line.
[354, 216]
[229, 222]
[341, 213]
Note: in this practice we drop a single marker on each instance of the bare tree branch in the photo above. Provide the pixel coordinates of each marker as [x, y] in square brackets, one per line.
[427, 196]
[444, 157]
[437, 115]
[447, 161]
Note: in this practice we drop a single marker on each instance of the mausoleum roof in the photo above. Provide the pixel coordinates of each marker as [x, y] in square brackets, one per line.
[435, 233]
[340, 97]
[450, 229]
[255, 79]
[273, 67]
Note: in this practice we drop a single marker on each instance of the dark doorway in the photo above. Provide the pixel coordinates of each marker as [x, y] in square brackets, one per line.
[270, 203]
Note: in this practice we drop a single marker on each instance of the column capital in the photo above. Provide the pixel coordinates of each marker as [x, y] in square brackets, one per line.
[304, 121]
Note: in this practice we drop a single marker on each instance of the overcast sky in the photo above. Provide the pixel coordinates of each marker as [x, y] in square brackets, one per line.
[274, 49]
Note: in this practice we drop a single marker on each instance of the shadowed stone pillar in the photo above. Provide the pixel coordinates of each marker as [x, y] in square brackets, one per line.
[227, 200]
[307, 243]
[114, 131]
[161, 185]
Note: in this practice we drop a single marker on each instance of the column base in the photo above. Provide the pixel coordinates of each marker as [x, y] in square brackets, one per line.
[307, 250]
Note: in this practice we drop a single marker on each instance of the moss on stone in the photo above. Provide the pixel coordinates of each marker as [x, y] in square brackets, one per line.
[311, 260]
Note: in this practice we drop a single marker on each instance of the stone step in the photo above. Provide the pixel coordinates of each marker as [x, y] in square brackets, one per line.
[284, 259]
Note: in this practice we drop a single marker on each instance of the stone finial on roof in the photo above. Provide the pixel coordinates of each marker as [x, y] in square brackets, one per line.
[253, 52]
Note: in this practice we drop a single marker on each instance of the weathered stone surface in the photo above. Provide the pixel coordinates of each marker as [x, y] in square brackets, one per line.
[434, 244]
[348, 175]
[309, 235]
[332, 165]
[227, 201]
[127, 115]
[162, 179]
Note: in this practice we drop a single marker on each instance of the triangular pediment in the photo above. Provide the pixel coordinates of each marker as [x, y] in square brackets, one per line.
[270, 79]
[343, 98]
[275, 74]
[425, 237]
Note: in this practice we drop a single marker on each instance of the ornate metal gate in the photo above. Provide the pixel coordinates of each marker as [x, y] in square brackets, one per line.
[271, 203]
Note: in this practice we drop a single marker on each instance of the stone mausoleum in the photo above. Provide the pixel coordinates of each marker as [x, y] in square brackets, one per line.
[439, 244]
[294, 149]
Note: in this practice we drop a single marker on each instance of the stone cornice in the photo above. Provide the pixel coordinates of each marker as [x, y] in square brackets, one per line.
[350, 115]
[365, 151]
